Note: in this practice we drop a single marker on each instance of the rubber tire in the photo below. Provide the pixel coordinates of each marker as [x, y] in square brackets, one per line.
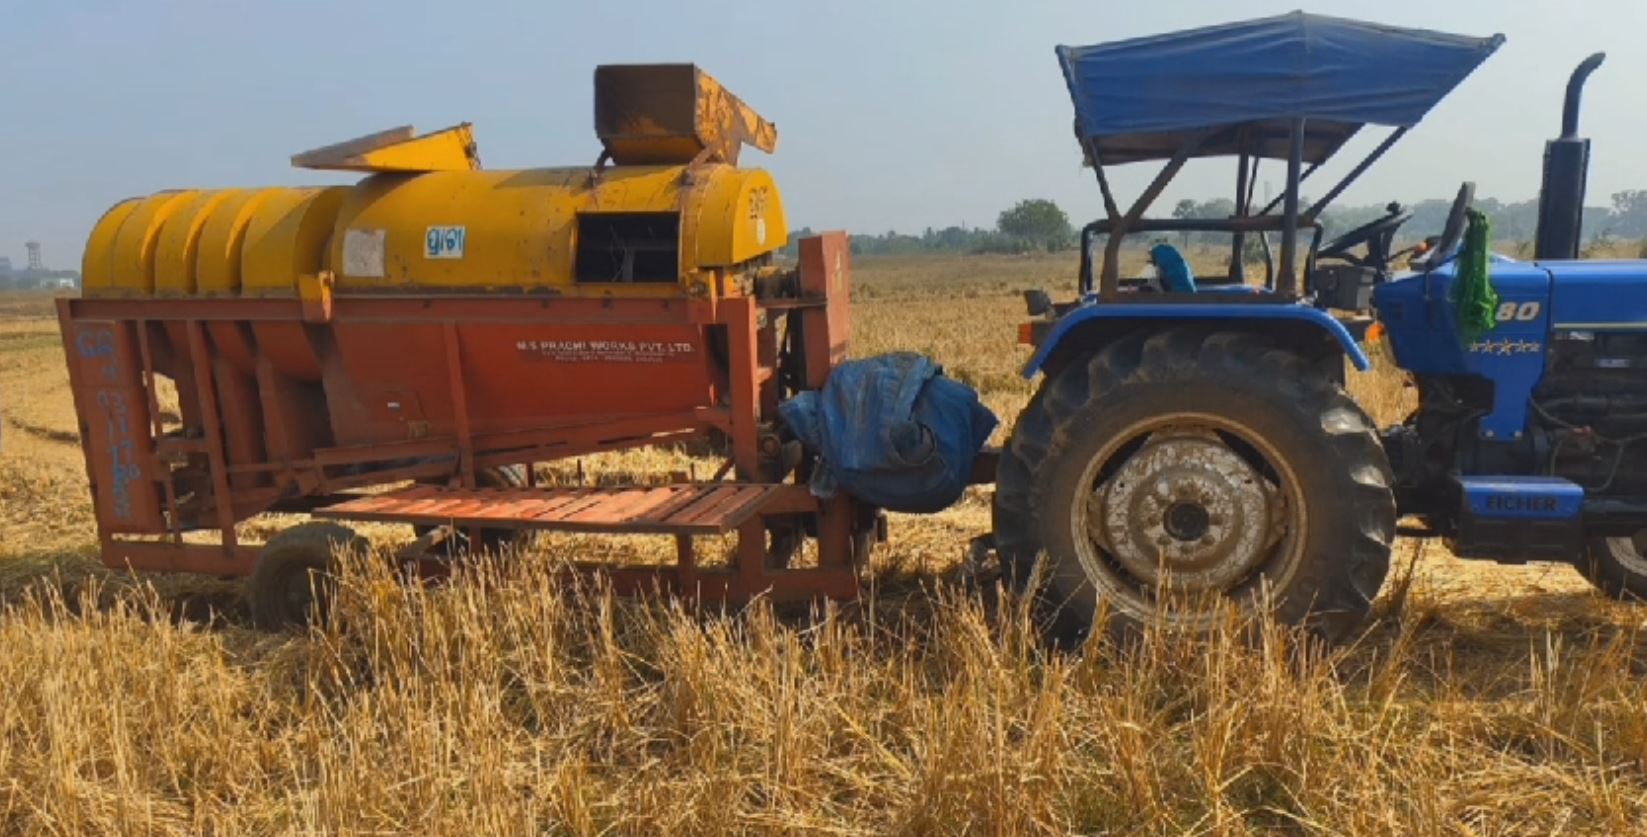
[307, 548]
[1329, 442]
[491, 540]
[1608, 575]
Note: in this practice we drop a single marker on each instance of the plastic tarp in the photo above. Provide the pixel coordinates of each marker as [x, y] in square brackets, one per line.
[892, 431]
[1136, 99]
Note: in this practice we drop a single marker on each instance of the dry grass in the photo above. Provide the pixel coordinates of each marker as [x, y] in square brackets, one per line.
[1485, 700]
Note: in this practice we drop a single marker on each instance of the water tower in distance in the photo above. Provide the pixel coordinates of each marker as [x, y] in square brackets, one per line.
[34, 255]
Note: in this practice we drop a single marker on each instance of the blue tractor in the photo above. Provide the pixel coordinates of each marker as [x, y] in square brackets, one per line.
[1192, 436]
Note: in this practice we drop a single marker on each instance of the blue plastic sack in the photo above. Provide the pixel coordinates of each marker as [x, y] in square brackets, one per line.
[891, 431]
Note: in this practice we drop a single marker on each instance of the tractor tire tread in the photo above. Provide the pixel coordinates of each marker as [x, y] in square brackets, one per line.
[1612, 578]
[1341, 581]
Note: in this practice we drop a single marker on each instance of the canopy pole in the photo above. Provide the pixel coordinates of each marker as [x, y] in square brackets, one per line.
[1270, 207]
[1252, 186]
[1333, 193]
[1083, 279]
[1110, 207]
[1286, 283]
[1237, 269]
[1110, 282]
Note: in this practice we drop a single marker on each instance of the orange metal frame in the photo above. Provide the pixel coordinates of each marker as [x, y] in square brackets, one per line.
[285, 405]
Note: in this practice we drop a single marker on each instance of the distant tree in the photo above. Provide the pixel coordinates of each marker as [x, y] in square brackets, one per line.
[991, 241]
[1183, 211]
[951, 239]
[1041, 225]
[1039, 222]
[793, 248]
[1630, 213]
[1215, 208]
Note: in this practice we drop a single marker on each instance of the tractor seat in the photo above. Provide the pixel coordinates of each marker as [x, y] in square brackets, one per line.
[1172, 270]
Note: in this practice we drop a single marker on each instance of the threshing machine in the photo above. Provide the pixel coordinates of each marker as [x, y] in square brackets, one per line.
[1193, 434]
[441, 326]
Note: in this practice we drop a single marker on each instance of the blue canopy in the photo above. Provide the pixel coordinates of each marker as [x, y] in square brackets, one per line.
[1138, 99]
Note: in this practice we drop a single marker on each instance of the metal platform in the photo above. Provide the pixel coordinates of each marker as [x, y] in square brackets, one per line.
[678, 509]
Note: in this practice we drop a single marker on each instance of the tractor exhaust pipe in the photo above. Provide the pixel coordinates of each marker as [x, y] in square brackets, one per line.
[1566, 167]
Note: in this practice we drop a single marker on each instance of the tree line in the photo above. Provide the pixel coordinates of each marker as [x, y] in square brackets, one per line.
[1038, 224]
[1029, 226]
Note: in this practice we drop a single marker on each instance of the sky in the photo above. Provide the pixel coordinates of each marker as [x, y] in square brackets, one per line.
[896, 114]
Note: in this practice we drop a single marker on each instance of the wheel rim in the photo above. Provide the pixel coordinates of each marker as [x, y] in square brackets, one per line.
[1628, 554]
[1188, 505]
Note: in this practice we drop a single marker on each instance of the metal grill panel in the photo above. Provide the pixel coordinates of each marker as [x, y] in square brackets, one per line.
[683, 508]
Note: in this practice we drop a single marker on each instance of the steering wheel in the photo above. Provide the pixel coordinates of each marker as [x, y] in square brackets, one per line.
[1375, 230]
[1453, 231]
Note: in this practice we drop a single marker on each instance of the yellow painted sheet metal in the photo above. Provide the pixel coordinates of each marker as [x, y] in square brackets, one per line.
[217, 264]
[650, 114]
[132, 255]
[398, 150]
[96, 272]
[740, 217]
[728, 123]
[428, 217]
[175, 267]
[516, 227]
[287, 238]
[503, 230]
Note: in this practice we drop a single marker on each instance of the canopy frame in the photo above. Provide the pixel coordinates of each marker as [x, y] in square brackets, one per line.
[1294, 87]
[1283, 279]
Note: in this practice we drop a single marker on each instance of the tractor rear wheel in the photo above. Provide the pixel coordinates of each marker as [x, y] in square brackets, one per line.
[294, 575]
[1617, 566]
[1183, 464]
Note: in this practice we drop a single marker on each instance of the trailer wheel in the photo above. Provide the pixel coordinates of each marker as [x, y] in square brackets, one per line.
[1617, 566]
[492, 540]
[292, 580]
[1194, 463]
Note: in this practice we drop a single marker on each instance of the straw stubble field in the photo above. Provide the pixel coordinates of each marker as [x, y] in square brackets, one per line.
[1483, 700]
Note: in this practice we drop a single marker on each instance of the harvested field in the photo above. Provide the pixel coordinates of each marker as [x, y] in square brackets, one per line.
[1483, 699]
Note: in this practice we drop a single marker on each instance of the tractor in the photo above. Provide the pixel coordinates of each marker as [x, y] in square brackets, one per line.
[1192, 437]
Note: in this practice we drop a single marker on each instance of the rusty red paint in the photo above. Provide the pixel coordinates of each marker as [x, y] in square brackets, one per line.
[686, 508]
[277, 407]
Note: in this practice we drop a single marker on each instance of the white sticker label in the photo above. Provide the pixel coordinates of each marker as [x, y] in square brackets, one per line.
[363, 253]
[606, 351]
[443, 243]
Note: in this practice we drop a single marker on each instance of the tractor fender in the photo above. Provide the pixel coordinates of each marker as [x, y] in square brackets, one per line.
[1241, 315]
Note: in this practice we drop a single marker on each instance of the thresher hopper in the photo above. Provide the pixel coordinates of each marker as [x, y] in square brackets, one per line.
[1193, 436]
[443, 327]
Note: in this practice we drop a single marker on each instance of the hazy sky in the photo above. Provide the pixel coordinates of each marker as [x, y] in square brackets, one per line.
[894, 114]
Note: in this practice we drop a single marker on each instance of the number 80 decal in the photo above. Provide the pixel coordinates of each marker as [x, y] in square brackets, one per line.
[1520, 312]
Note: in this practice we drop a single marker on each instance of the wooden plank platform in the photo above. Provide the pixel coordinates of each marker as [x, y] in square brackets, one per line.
[679, 509]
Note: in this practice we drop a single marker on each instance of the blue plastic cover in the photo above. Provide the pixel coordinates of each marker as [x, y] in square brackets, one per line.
[891, 431]
[1345, 73]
